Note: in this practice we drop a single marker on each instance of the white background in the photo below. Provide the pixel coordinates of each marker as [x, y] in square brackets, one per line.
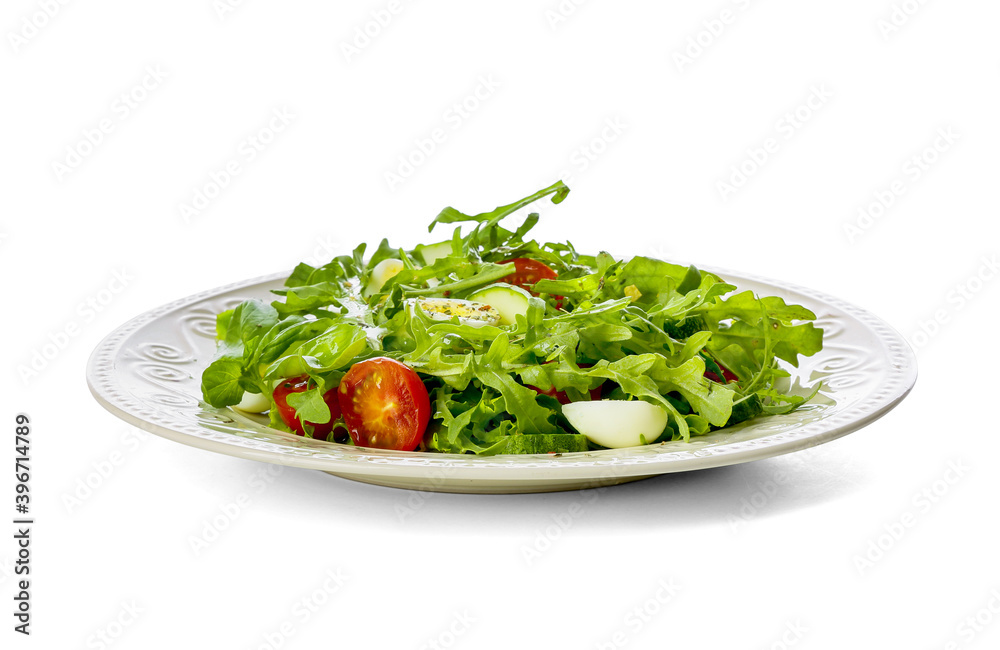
[787, 576]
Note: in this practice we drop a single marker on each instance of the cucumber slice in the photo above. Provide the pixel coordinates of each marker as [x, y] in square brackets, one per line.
[506, 299]
[432, 252]
[542, 443]
[745, 409]
[616, 424]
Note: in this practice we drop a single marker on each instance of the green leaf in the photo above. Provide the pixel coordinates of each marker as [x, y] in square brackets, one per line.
[559, 190]
[519, 401]
[333, 349]
[711, 400]
[220, 383]
[486, 274]
[310, 406]
[248, 324]
[222, 324]
[747, 307]
[788, 341]
[302, 300]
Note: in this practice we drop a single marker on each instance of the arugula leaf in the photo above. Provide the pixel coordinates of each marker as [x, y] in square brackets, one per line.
[711, 400]
[747, 307]
[750, 320]
[486, 274]
[309, 298]
[339, 268]
[790, 340]
[451, 215]
[652, 278]
[519, 401]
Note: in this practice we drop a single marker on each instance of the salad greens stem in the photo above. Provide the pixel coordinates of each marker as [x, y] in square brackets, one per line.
[492, 273]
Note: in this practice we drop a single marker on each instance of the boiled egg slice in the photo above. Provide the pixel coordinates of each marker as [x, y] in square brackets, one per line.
[615, 423]
[253, 403]
[475, 314]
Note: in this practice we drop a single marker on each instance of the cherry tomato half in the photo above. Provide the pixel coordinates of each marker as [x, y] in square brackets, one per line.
[385, 404]
[527, 272]
[290, 417]
[727, 374]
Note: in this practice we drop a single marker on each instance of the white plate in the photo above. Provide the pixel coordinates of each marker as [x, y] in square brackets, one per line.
[148, 373]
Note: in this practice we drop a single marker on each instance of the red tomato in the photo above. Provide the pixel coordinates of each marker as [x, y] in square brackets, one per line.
[385, 404]
[727, 375]
[527, 272]
[290, 418]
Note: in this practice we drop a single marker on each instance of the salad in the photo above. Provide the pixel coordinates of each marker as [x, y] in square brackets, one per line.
[492, 343]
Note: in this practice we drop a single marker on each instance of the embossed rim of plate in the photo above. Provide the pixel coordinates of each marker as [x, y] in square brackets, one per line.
[220, 430]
